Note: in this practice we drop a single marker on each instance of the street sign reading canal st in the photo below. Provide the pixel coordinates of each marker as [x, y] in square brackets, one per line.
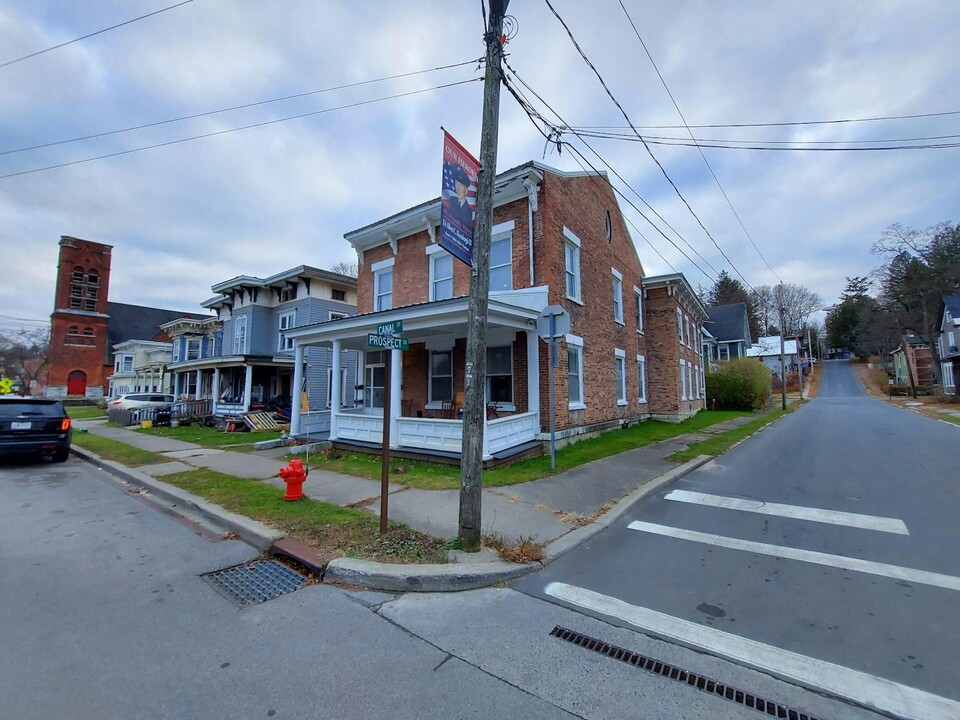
[387, 342]
[394, 327]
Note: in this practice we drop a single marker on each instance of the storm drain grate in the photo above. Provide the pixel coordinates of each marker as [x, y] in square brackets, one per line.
[672, 672]
[256, 582]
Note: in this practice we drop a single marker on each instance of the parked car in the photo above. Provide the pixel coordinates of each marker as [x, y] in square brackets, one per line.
[132, 401]
[34, 425]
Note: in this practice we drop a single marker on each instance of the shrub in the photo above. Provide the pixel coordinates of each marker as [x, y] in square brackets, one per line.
[741, 384]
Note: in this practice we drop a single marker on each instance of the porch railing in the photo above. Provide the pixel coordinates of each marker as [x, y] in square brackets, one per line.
[507, 432]
[315, 422]
[431, 434]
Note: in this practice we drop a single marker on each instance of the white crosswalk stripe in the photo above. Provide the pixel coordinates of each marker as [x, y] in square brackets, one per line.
[834, 517]
[862, 688]
[811, 556]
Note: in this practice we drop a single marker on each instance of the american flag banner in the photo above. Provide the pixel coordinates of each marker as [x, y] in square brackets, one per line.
[458, 199]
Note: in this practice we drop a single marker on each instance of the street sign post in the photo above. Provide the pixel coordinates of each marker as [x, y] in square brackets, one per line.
[553, 323]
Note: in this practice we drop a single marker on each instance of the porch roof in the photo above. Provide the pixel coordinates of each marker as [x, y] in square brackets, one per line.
[224, 361]
[422, 322]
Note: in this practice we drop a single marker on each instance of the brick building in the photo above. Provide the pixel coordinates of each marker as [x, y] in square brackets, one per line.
[84, 325]
[558, 238]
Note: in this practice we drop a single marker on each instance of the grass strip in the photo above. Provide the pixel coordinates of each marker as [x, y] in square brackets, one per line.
[721, 443]
[333, 530]
[211, 437]
[85, 412]
[433, 476]
[117, 451]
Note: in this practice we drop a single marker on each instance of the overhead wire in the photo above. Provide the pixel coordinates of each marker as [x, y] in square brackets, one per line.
[723, 144]
[234, 107]
[702, 154]
[237, 129]
[533, 114]
[90, 35]
[626, 117]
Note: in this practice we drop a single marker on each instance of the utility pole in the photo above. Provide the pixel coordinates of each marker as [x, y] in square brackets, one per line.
[475, 371]
[783, 329]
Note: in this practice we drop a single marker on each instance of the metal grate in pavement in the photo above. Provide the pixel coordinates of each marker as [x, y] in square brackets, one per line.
[256, 582]
[672, 672]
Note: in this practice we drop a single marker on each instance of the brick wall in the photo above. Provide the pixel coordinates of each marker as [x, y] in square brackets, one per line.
[666, 351]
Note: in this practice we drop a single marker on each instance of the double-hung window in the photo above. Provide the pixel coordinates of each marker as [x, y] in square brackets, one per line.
[124, 364]
[287, 322]
[572, 260]
[947, 371]
[441, 376]
[343, 387]
[382, 285]
[680, 324]
[193, 349]
[620, 375]
[501, 269]
[683, 379]
[441, 273]
[575, 372]
[641, 379]
[638, 307]
[240, 335]
[617, 296]
[499, 384]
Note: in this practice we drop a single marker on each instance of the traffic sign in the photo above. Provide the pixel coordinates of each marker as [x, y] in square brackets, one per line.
[553, 322]
[394, 327]
[387, 342]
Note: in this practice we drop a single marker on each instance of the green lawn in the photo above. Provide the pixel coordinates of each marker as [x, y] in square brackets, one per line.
[117, 451]
[211, 437]
[432, 476]
[721, 443]
[335, 531]
[85, 412]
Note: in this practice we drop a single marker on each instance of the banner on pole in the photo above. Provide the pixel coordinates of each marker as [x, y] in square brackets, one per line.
[458, 199]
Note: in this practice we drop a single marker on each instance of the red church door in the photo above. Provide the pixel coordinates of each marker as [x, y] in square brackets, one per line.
[77, 383]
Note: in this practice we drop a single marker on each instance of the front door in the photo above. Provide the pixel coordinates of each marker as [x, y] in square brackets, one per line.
[77, 383]
[373, 381]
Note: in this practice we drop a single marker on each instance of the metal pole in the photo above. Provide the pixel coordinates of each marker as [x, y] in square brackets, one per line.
[475, 370]
[553, 414]
[385, 450]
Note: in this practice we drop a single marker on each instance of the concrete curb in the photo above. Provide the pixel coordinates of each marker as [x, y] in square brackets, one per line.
[422, 578]
[566, 543]
[250, 531]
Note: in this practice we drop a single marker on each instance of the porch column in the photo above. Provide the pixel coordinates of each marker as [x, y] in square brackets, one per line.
[396, 381]
[196, 394]
[247, 387]
[533, 374]
[336, 389]
[176, 385]
[215, 391]
[295, 389]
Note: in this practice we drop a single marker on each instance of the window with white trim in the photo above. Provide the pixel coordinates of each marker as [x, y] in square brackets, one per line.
[617, 296]
[193, 349]
[680, 324]
[690, 382]
[441, 276]
[572, 260]
[501, 269]
[240, 335]
[176, 348]
[951, 341]
[641, 379]
[620, 375]
[947, 372]
[441, 376]
[638, 308]
[575, 372]
[338, 315]
[686, 319]
[703, 382]
[343, 387]
[288, 293]
[123, 363]
[287, 322]
[383, 289]
[683, 379]
[499, 383]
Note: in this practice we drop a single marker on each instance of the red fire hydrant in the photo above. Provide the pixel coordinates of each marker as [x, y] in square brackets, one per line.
[294, 475]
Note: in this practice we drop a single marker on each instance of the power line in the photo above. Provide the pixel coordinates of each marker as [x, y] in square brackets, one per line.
[690, 132]
[89, 35]
[235, 107]
[668, 138]
[237, 129]
[534, 115]
[721, 145]
[623, 112]
[781, 124]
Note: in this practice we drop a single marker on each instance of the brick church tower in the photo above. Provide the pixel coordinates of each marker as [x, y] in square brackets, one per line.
[78, 328]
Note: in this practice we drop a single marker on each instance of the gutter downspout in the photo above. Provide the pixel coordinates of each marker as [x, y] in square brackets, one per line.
[531, 189]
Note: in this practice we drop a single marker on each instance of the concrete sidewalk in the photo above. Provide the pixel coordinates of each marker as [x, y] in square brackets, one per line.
[560, 511]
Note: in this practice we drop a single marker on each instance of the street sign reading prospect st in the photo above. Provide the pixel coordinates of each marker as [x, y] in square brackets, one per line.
[387, 342]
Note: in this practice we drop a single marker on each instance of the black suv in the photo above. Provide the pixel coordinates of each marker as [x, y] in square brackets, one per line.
[34, 425]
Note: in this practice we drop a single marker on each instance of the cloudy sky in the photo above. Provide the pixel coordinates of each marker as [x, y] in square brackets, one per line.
[257, 201]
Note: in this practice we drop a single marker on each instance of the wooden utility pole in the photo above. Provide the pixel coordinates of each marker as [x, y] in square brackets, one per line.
[475, 372]
[783, 373]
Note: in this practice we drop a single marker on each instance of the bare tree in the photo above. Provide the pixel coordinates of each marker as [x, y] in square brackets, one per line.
[345, 268]
[765, 308]
[24, 357]
[797, 303]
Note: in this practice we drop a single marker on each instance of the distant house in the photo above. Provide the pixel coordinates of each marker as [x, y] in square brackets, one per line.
[140, 366]
[947, 333]
[245, 356]
[85, 327]
[729, 329]
[912, 362]
[767, 351]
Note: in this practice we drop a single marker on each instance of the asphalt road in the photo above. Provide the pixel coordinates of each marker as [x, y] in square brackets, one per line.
[103, 614]
[825, 544]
